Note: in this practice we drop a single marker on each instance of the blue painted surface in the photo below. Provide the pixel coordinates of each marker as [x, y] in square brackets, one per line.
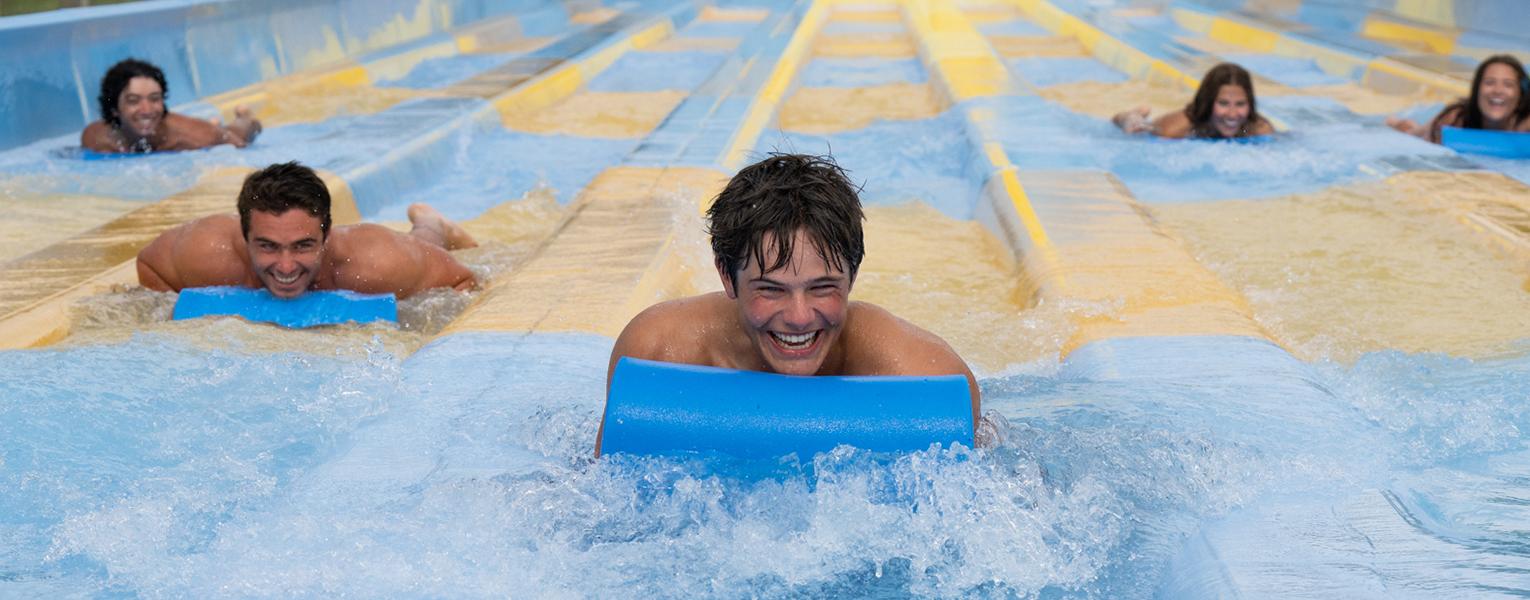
[1016, 27]
[860, 72]
[311, 309]
[1043, 72]
[1493, 41]
[700, 131]
[1293, 72]
[839, 27]
[442, 72]
[717, 29]
[659, 408]
[1332, 16]
[656, 71]
[475, 175]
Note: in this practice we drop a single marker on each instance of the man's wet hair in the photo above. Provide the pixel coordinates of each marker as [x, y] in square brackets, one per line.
[1470, 108]
[778, 196]
[282, 187]
[117, 79]
[1201, 106]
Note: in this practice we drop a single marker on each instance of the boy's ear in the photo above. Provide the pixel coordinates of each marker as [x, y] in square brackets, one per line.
[727, 279]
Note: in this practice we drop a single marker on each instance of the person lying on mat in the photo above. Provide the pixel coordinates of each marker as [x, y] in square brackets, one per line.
[281, 240]
[134, 118]
[1223, 107]
[786, 242]
[1499, 100]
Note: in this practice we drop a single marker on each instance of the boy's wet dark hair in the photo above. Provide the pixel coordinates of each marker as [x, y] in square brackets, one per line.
[1471, 110]
[1200, 108]
[778, 196]
[282, 187]
[117, 79]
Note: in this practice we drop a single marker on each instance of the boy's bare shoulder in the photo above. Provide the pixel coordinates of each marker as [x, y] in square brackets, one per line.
[675, 330]
[882, 343]
[99, 137]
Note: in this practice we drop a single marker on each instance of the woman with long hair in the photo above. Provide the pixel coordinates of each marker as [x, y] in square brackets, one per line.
[1223, 107]
[1499, 100]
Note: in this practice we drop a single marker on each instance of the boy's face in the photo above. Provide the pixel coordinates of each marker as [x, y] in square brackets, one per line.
[793, 315]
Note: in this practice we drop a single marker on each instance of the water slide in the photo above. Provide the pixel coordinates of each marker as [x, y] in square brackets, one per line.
[1291, 369]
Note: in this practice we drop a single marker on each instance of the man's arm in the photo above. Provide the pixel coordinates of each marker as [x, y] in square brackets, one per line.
[373, 259]
[1173, 125]
[191, 133]
[199, 253]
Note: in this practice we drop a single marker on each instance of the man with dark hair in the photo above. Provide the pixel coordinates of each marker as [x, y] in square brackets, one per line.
[134, 117]
[282, 241]
[787, 241]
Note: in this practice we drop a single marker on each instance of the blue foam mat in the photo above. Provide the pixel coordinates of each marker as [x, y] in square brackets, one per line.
[329, 307]
[657, 408]
[1502, 144]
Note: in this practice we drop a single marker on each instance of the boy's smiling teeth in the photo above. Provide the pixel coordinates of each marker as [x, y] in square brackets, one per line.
[794, 340]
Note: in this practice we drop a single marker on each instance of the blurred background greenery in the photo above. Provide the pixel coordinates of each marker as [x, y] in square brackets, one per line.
[21, 7]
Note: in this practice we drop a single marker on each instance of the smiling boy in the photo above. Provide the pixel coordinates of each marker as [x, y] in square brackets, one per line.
[787, 242]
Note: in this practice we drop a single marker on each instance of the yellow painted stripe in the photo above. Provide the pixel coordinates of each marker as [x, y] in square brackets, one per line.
[956, 51]
[1192, 20]
[769, 98]
[466, 43]
[958, 54]
[1233, 32]
[566, 80]
[1442, 41]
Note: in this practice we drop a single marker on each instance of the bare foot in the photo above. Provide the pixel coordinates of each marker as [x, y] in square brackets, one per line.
[431, 226]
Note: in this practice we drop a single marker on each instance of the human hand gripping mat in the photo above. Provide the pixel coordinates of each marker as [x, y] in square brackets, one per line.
[1502, 144]
[666, 408]
[308, 310]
